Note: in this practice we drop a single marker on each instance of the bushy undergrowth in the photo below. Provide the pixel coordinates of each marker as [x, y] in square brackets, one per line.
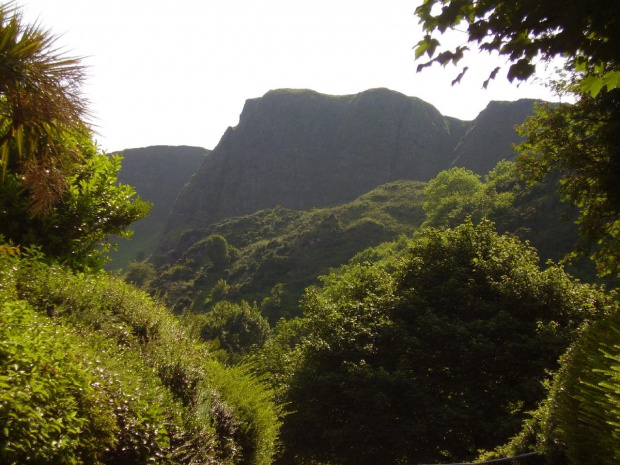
[93, 371]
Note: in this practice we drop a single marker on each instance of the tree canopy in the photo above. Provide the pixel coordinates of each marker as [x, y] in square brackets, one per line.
[580, 142]
[432, 361]
[456, 194]
[42, 109]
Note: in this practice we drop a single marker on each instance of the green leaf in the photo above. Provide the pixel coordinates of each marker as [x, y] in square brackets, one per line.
[427, 45]
[592, 85]
[612, 80]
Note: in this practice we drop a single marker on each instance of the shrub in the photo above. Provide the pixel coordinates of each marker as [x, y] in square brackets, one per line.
[172, 400]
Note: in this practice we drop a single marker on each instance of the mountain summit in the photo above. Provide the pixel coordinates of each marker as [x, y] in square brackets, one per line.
[301, 149]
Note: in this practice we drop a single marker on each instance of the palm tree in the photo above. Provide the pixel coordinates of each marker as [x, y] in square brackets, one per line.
[42, 113]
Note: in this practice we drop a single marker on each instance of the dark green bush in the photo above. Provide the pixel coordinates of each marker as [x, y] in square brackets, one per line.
[432, 355]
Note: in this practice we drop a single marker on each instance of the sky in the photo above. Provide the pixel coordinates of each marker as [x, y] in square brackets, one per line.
[178, 73]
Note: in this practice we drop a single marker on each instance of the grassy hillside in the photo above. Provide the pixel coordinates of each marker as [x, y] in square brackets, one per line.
[277, 253]
[93, 371]
[271, 256]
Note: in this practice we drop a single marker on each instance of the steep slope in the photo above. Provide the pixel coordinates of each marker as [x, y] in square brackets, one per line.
[95, 372]
[302, 149]
[157, 173]
[491, 135]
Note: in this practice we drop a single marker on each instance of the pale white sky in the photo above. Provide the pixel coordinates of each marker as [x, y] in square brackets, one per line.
[178, 73]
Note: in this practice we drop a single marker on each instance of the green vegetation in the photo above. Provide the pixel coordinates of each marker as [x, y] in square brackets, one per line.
[578, 422]
[77, 230]
[577, 145]
[93, 371]
[42, 109]
[56, 191]
[237, 328]
[430, 337]
[579, 142]
[246, 258]
[526, 32]
[445, 346]
[584, 404]
[458, 193]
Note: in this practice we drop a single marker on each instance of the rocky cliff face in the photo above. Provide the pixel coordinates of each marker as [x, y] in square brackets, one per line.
[157, 174]
[300, 149]
[489, 138]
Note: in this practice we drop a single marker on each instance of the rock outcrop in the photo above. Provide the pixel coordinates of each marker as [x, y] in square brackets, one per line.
[301, 149]
[158, 174]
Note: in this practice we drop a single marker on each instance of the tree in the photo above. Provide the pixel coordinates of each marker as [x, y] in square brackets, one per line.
[457, 194]
[58, 192]
[217, 249]
[239, 328]
[92, 208]
[448, 192]
[41, 107]
[580, 141]
[140, 273]
[529, 31]
[432, 361]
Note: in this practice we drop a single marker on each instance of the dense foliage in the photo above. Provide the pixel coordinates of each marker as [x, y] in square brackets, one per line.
[93, 371]
[581, 421]
[41, 108]
[237, 328]
[534, 213]
[445, 348]
[275, 254]
[77, 230]
[578, 422]
[456, 194]
[581, 142]
[56, 191]
[577, 144]
[427, 349]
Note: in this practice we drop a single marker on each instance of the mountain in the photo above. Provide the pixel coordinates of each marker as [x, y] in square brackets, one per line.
[157, 174]
[277, 253]
[490, 136]
[300, 149]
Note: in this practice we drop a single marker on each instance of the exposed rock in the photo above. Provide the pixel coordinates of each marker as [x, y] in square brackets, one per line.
[301, 149]
[491, 135]
[157, 174]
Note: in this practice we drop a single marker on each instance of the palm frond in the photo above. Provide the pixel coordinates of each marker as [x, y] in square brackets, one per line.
[40, 100]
